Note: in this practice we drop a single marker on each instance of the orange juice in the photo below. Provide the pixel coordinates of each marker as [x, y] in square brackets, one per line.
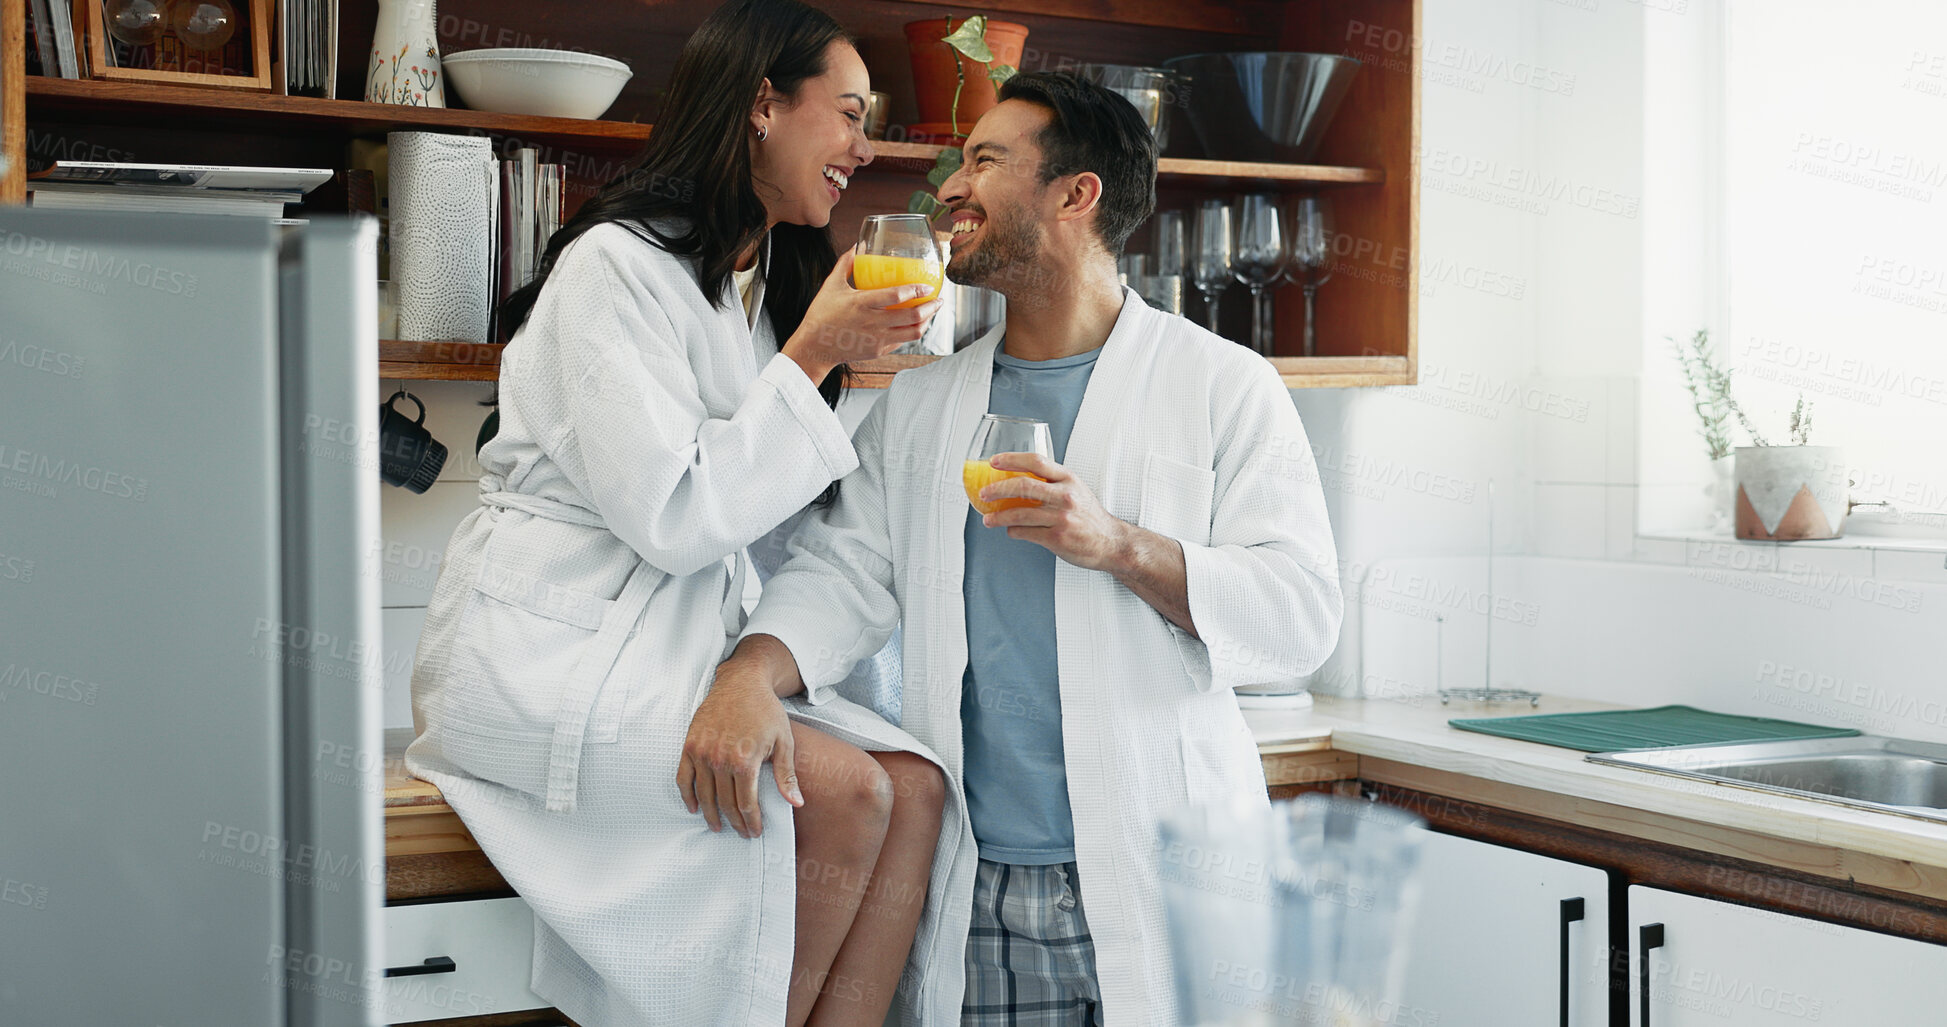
[978, 474]
[873, 271]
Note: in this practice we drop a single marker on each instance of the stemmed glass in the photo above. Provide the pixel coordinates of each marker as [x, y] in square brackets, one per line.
[997, 434]
[898, 249]
[1311, 256]
[1212, 257]
[1257, 259]
[1169, 262]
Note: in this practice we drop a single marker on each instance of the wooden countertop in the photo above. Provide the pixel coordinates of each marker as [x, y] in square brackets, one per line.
[1408, 743]
[406, 795]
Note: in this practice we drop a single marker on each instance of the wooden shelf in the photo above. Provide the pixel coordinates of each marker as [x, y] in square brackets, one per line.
[225, 110]
[480, 362]
[1237, 174]
[877, 374]
[1242, 19]
[918, 158]
[125, 103]
[1297, 372]
[440, 361]
[1344, 372]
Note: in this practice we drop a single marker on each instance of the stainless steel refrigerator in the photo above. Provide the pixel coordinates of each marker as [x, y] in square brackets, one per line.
[190, 754]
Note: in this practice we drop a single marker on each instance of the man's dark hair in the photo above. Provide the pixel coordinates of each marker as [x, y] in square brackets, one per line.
[1094, 129]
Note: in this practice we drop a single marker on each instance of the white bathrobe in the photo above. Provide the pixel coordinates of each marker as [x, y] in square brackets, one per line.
[1180, 432]
[646, 439]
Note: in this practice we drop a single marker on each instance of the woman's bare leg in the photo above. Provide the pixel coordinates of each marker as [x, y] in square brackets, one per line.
[848, 803]
[869, 963]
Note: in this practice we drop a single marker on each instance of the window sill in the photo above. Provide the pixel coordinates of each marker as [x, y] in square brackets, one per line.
[1901, 543]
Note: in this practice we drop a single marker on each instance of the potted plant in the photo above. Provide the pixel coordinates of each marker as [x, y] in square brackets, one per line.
[957, 66]
[1782, 492]
[945, 90]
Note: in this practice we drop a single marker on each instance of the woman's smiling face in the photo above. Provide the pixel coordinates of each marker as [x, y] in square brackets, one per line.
[813, 142]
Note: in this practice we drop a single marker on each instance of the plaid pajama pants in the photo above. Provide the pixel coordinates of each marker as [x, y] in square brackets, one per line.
[1030, 961]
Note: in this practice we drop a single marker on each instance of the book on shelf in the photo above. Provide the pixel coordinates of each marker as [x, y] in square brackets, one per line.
[61, 19]
[40, 23]
[161, 199]
[527, 198]
[172, 188]
[170, 192]
[307, 47]
[117, 200]
[185, 176]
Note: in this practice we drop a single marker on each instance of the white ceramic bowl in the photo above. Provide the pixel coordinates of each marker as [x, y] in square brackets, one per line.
[551, 83]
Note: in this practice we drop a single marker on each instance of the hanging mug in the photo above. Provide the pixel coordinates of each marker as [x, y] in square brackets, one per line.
[409, 456]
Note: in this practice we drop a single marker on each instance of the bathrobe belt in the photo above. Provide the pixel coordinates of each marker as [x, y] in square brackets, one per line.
[618, 623]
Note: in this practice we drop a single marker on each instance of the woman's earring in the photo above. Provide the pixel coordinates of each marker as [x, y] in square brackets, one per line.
[763, 133]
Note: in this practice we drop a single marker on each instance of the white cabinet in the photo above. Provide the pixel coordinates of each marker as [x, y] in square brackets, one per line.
[1724, 965]
[458, 959]
[1502, 936]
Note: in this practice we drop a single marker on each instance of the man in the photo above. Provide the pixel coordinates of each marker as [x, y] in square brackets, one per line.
[1071, 662]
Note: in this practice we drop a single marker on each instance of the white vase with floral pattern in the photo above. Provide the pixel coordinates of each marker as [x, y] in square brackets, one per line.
[403, 66]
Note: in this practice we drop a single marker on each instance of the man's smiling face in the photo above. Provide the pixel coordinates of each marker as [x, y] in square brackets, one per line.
[998, 202]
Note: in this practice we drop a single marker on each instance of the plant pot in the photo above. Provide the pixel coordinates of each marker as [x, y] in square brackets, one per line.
[1789, 493]
[933, 75]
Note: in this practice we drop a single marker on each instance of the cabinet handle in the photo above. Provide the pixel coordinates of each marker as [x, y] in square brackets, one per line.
[1648, 936]
[1572, 910]
[432, 965]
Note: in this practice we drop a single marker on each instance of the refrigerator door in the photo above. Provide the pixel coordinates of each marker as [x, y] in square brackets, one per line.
[333, 682]
[165, 859]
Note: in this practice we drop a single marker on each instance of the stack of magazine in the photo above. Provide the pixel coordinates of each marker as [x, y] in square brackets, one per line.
[173, 188]
[307, 40]
[529, 200]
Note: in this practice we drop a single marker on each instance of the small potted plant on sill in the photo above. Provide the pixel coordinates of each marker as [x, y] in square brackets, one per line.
[1786, 492]
[943, 60]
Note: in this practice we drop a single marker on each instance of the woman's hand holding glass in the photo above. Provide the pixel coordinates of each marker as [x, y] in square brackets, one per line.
[845, 324]
[878, 297]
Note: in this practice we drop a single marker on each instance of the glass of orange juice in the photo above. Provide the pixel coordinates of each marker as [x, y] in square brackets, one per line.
[898, 249]
[999, 434]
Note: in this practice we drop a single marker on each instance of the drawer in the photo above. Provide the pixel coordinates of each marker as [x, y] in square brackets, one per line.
[491, 944]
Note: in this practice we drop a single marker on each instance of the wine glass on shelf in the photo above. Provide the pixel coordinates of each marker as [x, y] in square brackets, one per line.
[1311, 256]
[994, 435]
[1257, 259]
[1169, 262]
[1212, 256]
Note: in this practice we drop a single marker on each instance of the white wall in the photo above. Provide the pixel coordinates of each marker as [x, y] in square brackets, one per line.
[1597, 198]
[414, 528]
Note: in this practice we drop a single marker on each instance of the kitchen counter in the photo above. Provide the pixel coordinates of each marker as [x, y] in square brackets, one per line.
[1405, 744]
[1410, 745]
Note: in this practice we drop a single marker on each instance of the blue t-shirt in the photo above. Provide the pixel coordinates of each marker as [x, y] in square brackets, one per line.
[1010, 700]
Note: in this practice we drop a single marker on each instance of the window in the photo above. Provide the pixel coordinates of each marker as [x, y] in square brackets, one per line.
[1835, 231]
[1830, 207]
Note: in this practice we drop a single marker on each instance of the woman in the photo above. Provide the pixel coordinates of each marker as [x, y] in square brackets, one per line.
[652, 427]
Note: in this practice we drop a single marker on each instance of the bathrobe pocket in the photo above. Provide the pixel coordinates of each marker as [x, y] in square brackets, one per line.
[1220, 760]
[520, 641]
[1176, 499]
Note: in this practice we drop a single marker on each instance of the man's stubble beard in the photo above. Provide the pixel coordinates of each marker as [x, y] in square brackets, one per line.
[1006, 260]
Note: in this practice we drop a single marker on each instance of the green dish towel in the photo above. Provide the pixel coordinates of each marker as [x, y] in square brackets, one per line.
[1612, 730]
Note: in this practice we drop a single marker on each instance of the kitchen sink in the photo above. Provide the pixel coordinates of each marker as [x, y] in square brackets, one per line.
[1892, 775]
